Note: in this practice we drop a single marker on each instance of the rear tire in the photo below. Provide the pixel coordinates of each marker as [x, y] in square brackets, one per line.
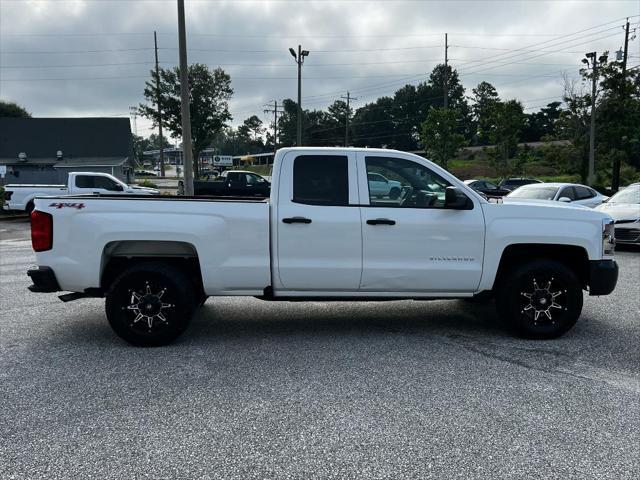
[150, 304]
[540, 300]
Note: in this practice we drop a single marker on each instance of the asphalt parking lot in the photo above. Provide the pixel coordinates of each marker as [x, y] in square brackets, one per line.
[313, 390]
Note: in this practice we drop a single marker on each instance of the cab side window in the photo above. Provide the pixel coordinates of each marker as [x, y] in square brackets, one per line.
[105, 183]
[84, 181]
[321, 180]
[409, 184]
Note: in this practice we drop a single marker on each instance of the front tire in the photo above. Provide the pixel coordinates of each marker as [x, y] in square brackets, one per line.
[150, 304]
[540, 299]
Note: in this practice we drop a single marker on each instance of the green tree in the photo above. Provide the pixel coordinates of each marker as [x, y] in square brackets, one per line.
[440, 134]
[508, 120]
[11, 109]
[254, 127]
[209, 94]
[485, 98]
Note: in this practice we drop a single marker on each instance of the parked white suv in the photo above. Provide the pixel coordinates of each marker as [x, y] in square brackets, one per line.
[380, 186]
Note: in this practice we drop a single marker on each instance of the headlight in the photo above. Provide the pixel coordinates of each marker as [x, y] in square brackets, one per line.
[608, 237]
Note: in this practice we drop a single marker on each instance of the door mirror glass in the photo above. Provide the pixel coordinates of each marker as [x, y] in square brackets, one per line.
[457, 200]
[564, 199]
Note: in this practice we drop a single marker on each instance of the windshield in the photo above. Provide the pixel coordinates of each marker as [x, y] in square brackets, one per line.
[534, 192]
[628, 195]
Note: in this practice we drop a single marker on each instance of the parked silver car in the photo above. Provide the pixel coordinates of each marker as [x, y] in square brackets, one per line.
[624, 208]
[560, 192]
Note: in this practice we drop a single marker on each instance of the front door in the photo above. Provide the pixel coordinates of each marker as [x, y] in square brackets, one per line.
[413, 243]
[319, 241]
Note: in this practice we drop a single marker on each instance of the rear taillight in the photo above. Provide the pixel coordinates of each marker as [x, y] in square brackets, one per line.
[7, 195]
[41, 231]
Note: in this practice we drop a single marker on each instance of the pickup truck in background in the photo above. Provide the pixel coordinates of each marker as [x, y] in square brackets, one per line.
[323, 235]
[21, 197]
[238, 183]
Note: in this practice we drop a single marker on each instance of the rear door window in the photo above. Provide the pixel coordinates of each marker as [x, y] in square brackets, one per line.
[85, 181]
[582, 193]
[321, 180]
[568, 192]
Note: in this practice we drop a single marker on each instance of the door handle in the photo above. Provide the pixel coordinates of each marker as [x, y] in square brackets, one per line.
[296, 220]
[381, 221]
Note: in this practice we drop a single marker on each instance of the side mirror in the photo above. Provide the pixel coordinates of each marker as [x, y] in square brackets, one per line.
[457, 200]
[564, 199]
[118, 188]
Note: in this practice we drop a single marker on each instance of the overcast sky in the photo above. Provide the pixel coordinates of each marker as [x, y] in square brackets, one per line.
[91, 57]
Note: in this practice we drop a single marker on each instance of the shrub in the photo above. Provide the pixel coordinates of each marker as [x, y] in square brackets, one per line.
[147, 183]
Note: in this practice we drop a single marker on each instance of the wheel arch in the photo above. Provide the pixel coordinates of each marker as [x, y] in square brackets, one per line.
[574, 257]
[118, 256]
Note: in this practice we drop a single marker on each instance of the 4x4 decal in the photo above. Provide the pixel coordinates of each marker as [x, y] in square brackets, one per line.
[79, 206]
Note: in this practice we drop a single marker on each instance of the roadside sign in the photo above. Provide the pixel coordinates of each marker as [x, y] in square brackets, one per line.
[222, 161]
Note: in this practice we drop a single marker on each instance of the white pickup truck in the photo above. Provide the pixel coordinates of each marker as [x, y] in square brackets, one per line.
[322, 235]
[21, 197]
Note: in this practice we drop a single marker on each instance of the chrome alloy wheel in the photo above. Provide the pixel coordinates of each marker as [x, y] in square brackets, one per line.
[544, 301]
[148, 308]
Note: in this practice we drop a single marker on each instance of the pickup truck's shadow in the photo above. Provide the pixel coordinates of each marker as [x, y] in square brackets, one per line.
[253, 319]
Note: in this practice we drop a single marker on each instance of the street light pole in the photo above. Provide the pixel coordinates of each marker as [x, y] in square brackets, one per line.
[299, 58]
[187, 152]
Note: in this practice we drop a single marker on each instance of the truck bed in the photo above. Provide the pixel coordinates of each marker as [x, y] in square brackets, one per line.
[162, 198]
[229, 237]
[33, 185]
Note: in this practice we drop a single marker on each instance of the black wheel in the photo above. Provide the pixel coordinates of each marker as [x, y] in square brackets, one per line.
[394, 193]
[150, 304]
[540, 299]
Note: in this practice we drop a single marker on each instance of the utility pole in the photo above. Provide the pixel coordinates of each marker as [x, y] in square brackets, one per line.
[592, 131]
[615, 177]
[187, 152]
[160, 139]
[446, 65]
[276, 109]
[346, 119]
[299, 60]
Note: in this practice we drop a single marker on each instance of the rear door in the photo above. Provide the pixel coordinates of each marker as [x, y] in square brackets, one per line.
[413, 243]
[319, 242]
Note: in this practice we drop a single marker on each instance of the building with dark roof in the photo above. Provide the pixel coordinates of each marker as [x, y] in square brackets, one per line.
[45, 150]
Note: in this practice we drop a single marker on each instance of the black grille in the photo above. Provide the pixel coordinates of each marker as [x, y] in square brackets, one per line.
[628, 234]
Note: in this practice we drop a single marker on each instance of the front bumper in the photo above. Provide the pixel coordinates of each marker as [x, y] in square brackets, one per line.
[603, 276]
[44, 280]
